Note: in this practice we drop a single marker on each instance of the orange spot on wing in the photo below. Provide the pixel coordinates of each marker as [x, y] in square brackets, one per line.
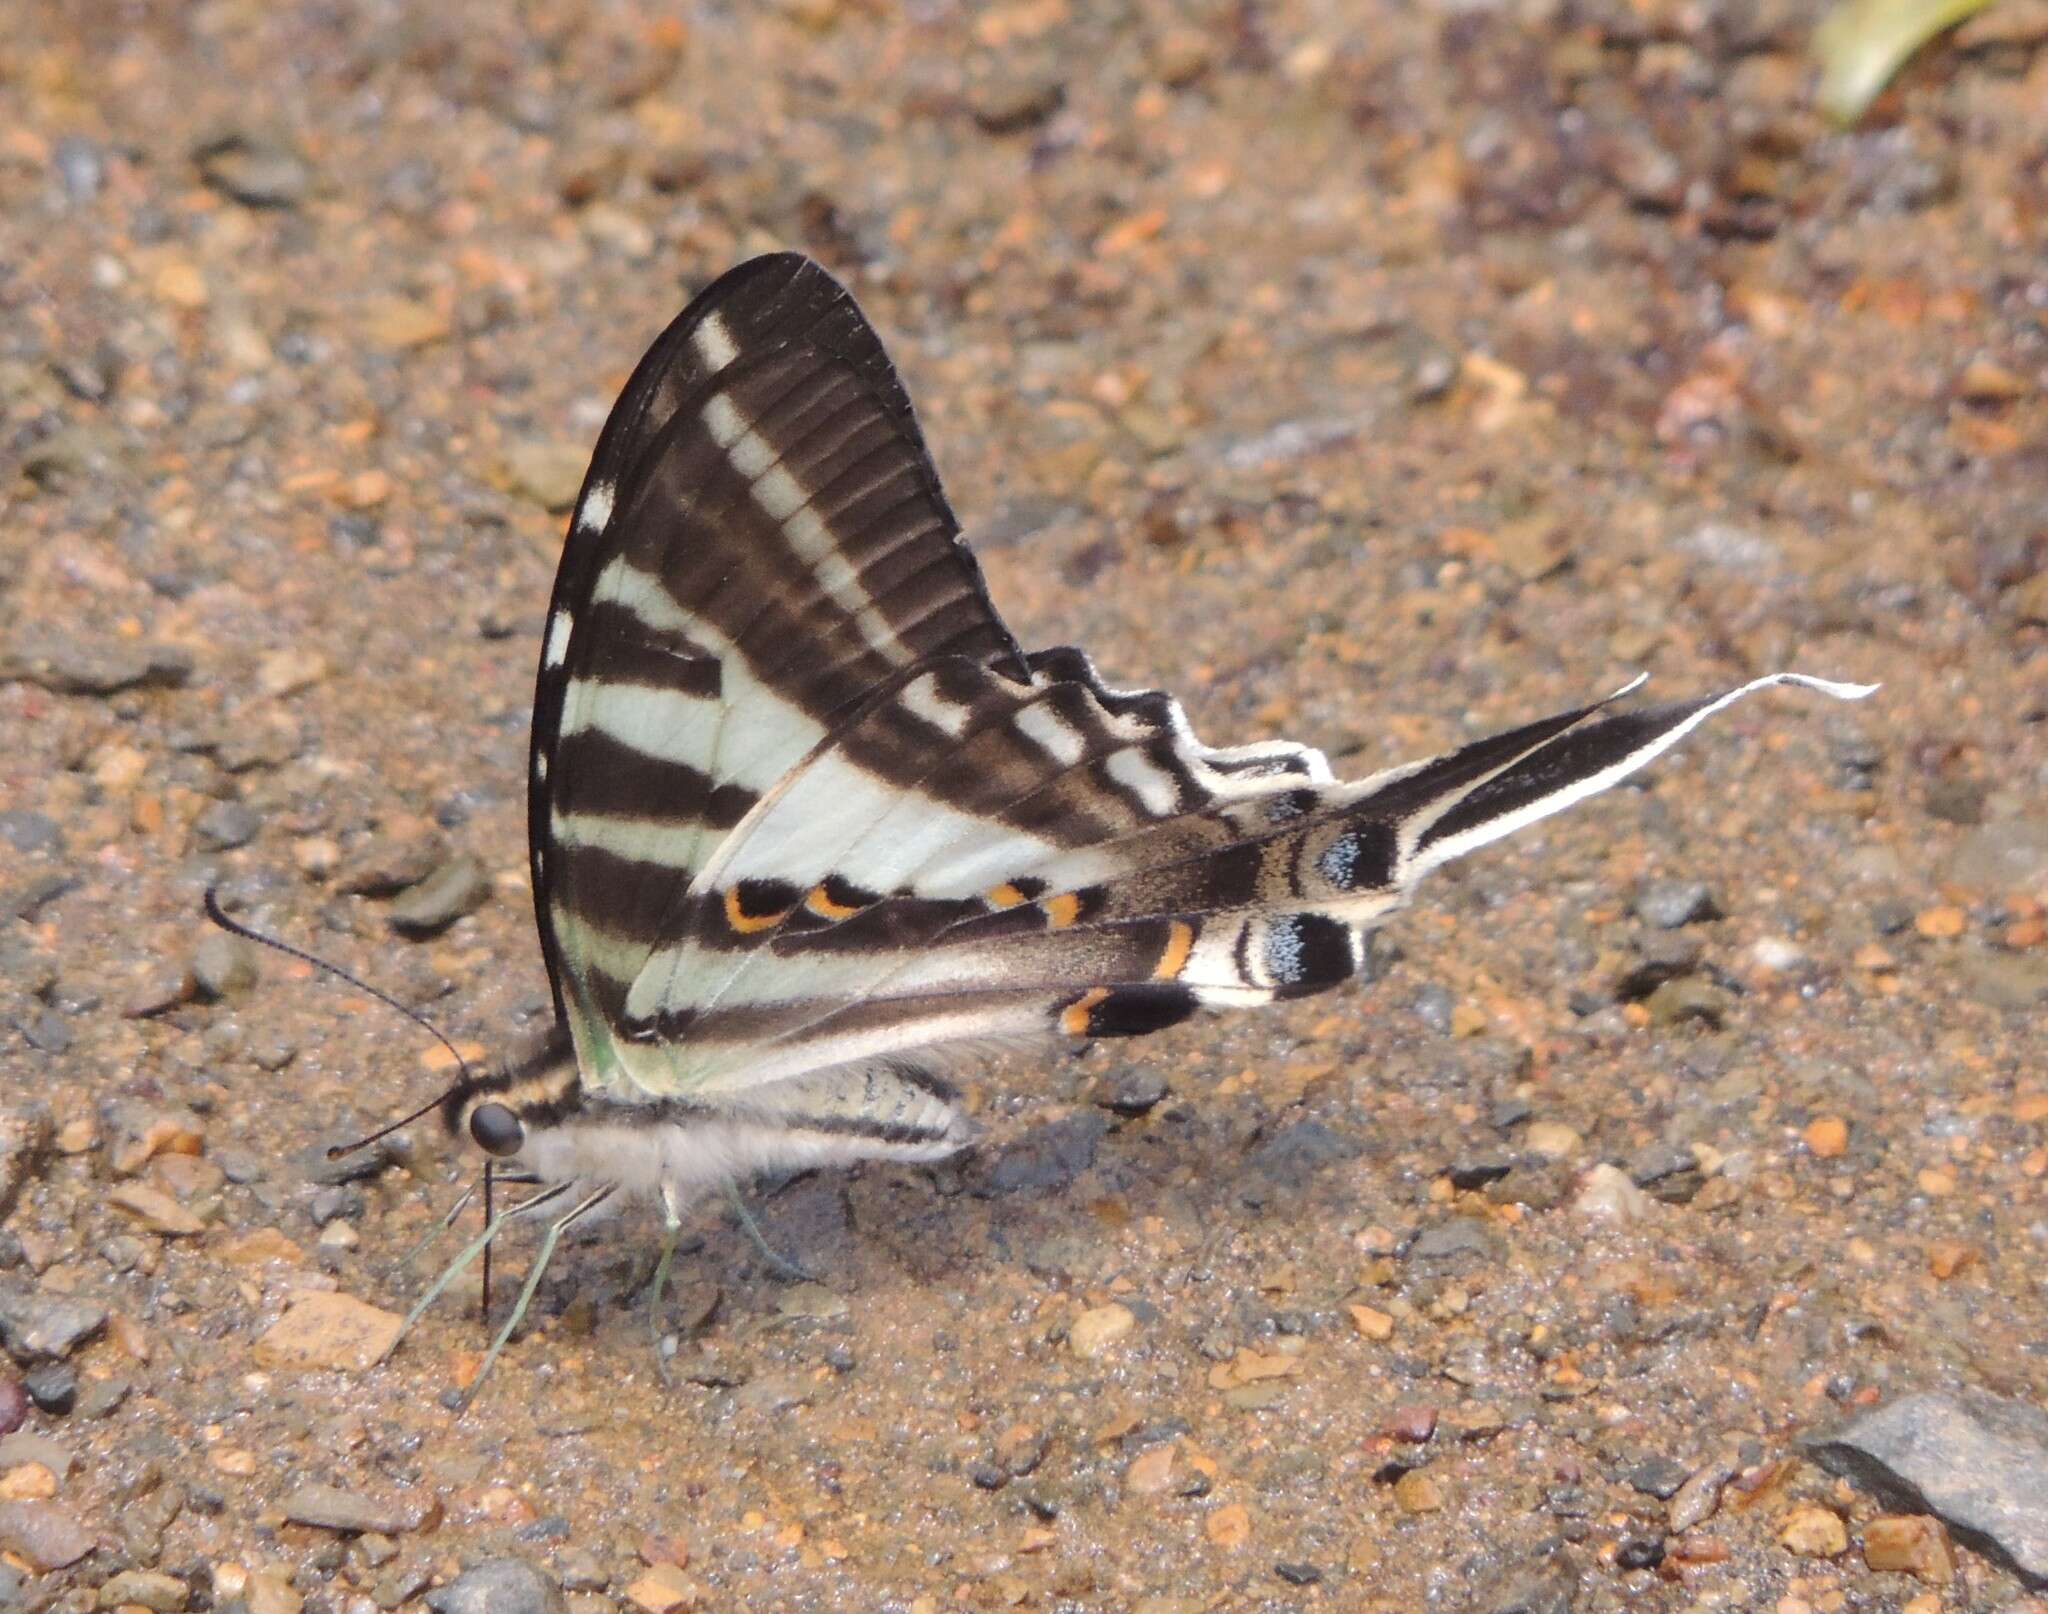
[1074, 1017]
[1005, 896]
[825, 908]
[747, 923]
[1180, 942]
[1062, 910]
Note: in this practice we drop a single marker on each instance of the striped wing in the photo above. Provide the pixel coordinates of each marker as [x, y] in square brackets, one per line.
[801, 806]
[972, 860]
[760, 543]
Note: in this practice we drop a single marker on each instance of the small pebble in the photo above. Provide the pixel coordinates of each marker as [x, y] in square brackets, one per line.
[145, 1588]
[53, 1387]
[37, 1327]
[1095, 1331]
[337, 1507]
[45, 1533]
[328, 1330]
[1134, 1090]
[548, 472]
[1826, 1137]
[1667, 904]
[1910, 1544]
[254, 171]
[222, 967]
[459, 886]
[1812, 1531]
[1639, 1552]
[1608, 1195]
[225, 825]
[1418, 1493]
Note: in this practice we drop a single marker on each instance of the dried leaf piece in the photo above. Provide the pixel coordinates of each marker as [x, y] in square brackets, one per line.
[1862, 43]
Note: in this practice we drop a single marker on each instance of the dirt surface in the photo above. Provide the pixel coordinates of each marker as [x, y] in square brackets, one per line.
[1375, 374]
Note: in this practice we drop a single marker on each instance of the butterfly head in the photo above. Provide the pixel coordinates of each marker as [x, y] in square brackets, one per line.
[510, 1113]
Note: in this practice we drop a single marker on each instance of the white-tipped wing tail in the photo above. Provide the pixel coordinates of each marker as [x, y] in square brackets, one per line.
[1581, 762]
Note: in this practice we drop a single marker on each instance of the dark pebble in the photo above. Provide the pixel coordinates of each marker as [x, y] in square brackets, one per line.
[28, 899]
[254, 171]
[242, 1166]
[500, 1586]
[1659, 1477]
[1639, 1552]
[1050, 1157]
[1011, 100]
[53, 1387]
[27, 831]
[1476, 1171]
[1133, 1091]
[36, 1327]
[340, 1200]
[1298, 1574]
[458, 887]
[69, 665]
[387, 864]
[14, 1405]
[100, 1397]
[405, 1582]
[987, 1477]
[312, 1164]
[1454, 1241]
[1658, 1161]
[46, 1032]
[1295, 1151]
[1510, 1113]
[550, 1527]
[1667, 904]
[226, 825]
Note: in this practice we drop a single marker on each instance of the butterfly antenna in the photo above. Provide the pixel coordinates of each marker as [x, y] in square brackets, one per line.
[234, 927]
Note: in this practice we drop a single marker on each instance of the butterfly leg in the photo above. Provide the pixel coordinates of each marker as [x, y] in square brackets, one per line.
[440, 1226]
[542, 1257]
[453, 1213]
[469, 1253]
[780, 1264]
[671, 1236]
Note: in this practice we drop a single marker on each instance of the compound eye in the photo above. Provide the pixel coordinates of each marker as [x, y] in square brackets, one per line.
[496, 1130]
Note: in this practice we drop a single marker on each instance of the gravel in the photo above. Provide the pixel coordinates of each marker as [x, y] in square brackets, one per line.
[1305, 361]
[1974, 1460]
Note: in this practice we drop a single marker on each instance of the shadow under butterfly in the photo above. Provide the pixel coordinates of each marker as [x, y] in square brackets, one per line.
[802, 810]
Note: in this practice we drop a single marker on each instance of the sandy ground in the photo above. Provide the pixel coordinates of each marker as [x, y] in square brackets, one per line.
[1373, 373]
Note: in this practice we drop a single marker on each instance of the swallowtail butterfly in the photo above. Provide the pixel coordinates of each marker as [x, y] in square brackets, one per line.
[802, 810]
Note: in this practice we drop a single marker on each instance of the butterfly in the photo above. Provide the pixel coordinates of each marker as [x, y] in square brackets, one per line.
[803, 812]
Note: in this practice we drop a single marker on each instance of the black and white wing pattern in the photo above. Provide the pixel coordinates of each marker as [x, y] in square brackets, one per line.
[759, 544]
[801, 805]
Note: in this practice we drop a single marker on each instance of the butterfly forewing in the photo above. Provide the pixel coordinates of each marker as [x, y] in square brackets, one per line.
[760, 539]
